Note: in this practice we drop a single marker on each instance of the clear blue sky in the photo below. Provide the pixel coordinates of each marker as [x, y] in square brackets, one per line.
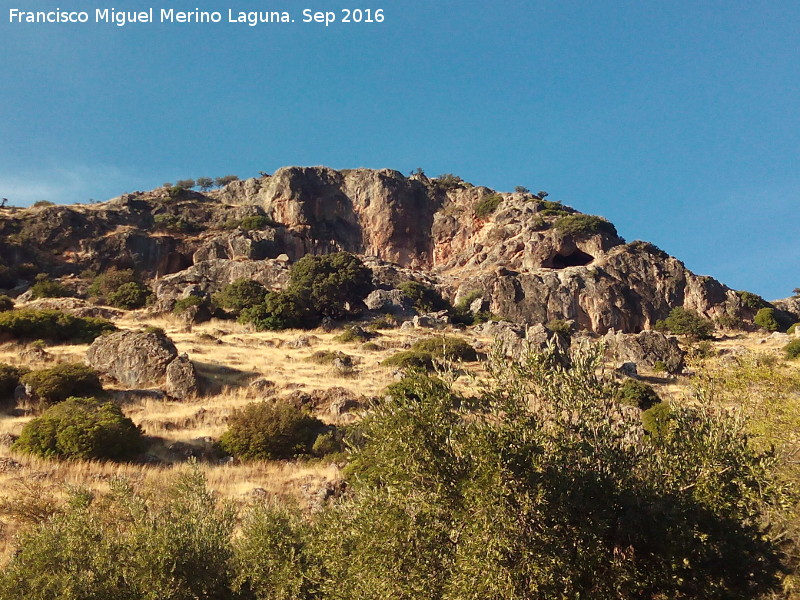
[677, 120]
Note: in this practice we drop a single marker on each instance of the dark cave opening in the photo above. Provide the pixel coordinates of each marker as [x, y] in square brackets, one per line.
[574, 259]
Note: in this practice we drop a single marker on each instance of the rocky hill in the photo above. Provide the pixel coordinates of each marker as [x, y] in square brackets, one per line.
[531, 260]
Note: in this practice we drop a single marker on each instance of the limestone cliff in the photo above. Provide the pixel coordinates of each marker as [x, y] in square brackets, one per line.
[532, 260]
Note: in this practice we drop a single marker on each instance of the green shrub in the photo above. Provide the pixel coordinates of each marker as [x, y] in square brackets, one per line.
[110, 280]
[560, 326]
[327, 357]
[727, 321]
[185, 184]
[548, 484]
[766, 319]
[656, 420]
[183, 304]
[169, 544]
[636, 393]
[383, 322]
[423, 297]
[42, 203]
[446, 347]
[751, 300]
[174, 223]
[129, 296]
[330, 282]
[254, 222]
[580, 225]
[792, 329]
[487, 205]
[52, 325]
[9, 380]
[6, 303]
[270, 431]
[792, 349]
[328, 444]
[354, 333]
[649, 248]
[49, 288]
[446, 182]
[58, 383]
[280, 310]
[240, 295]
[410, 359]
[82, 428]
[225, 180]
[682, 321]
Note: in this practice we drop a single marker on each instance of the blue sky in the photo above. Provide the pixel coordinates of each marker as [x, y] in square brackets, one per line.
[678, 121]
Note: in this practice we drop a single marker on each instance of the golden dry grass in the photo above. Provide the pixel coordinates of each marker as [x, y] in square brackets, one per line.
[231, 355]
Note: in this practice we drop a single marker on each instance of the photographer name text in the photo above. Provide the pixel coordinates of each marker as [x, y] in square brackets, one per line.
[123, 18]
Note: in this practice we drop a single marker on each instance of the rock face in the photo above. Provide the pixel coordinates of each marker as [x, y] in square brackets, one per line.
[527, 265]
[141, 359]
[646, 348]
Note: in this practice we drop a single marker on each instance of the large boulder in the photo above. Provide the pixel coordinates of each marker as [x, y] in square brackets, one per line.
[645, 349]
[142, 359]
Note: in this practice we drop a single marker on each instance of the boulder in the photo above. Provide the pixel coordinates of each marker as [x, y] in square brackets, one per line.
[645, 348]
[181, 379]
[389, 301]
[141, 359]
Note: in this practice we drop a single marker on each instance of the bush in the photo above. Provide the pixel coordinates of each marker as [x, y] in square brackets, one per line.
[487, 205]
[183, 304]
[446, 347]
[171, 544]
[129, 296]
[560, 326]
[682, 321]
[727, 321]
[185, 184]
[556, 495]
[280, 310]
[42, 203]
[656, 420]
[254, 222]
[354, 333]
[205, 183]
[225, 180]
[792, 349]
[765, 318]
[580, 225]
[410, 359]
[331, 282]
[270, 431]
[110, 281]
[6, 303]
[52, 326]
[58, 383]
[521, 189]
[82, 428]
[423, 297]
[49, 288]
[174, 223]
[792, 329]
[636, 393]
[751, 300]
[328, 357]
[9, 380]
[241, 294]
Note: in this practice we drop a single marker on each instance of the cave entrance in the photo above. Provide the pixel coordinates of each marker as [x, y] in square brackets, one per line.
[577, 258]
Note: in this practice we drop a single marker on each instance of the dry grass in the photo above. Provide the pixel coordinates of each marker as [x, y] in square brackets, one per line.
[231, 356]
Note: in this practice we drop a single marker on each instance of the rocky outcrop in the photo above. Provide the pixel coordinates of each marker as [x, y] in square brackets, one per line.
[140, 359]
[647, 348]
[76, 307]
[210, 276]
[527, 266]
